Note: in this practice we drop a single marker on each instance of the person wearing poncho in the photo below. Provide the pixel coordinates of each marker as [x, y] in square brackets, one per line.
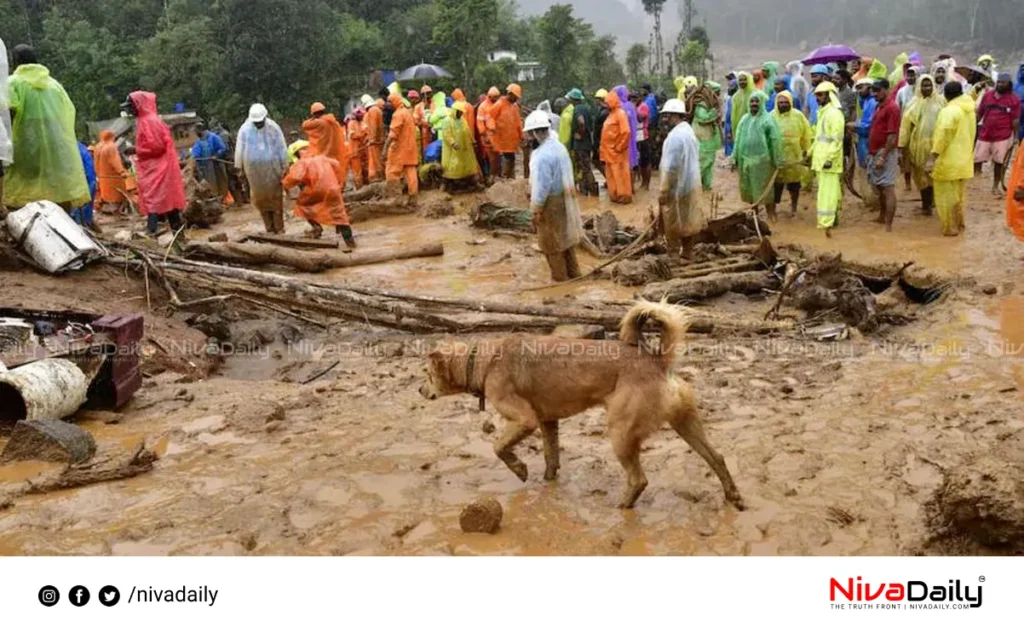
[556, 215]
[678, 199]
[583, 142]
[634, 123]
[916, 132]
[373, 121]
[458, 160]
[740, 102]
[261, 154]
[758, 153]
[951, 162]
[45, 164]
[110, 173]
[827, 155]
[796, 141]
[6, 148]
[400, 149]
[320, 180]
[1015, 198]
[771, 73]
[707, 127]
[616, 140]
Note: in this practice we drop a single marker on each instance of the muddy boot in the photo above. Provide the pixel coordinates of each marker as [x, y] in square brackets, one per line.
[927, 201]
[346, 233]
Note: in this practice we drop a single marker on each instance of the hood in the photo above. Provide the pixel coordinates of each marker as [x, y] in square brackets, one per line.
[917, 87]
[965, 103]
[762, 100]
[613, 100]
[785, 94]
[106, 136]
[545, 107]
[622, 92]
[37, 75]
[794, 68]
[144, 102]
[877, 70]
[458, 95]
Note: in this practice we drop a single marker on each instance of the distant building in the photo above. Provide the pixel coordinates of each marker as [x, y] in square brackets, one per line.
[526, 70]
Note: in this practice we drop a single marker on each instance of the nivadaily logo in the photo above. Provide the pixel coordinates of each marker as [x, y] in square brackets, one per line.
[913, 594]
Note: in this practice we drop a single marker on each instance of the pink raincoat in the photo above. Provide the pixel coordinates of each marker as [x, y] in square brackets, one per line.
[161, 188]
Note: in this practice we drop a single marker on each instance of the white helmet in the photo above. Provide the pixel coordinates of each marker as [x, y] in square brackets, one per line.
[537, 121]
[258, 112]
[674, 106]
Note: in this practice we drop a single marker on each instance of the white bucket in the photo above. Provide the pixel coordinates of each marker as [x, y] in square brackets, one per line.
[51, 238]
[49, 389]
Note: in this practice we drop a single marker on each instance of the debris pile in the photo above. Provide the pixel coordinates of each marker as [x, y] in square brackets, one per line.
[205, 208]
[983, 502]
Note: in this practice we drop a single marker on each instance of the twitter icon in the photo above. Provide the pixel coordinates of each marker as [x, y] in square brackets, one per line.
[109, 596]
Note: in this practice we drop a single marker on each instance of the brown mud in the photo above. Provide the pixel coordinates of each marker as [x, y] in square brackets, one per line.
[838, 448]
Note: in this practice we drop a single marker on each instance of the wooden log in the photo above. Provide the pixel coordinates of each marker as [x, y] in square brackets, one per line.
[363, 211]
[305, 261]
[734, 227]
[139, 461]
[729, 266]
[711, 286]
[369, 192]
[291, 241]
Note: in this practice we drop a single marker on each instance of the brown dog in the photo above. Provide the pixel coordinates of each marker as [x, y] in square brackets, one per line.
[537, 381]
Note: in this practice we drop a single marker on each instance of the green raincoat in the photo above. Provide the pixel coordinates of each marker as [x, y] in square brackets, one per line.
[458, 159]
[897, 72]
[707, 126]
[758, 152]
[47, 165]
[741, 102]
[771, 73]
[438, 117]
[877, 70]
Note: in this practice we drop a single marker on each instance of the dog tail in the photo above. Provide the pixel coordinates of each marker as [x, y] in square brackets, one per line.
[675, 323]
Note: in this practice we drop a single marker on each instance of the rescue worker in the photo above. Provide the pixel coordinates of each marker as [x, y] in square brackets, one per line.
[320, 201]
[400, 148]
[679, 194]
[556, 215]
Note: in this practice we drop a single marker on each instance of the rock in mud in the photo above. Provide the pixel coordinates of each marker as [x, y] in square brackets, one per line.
[218, 237]
[252, 335]
[640, 272]
[482, 517]
[49, 441]
[212, 325]
[439, 209]
[984, 501]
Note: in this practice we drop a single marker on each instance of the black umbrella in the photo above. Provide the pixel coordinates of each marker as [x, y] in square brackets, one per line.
[423, 71]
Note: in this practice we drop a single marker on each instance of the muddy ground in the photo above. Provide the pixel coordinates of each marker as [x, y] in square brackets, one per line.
[837, 449]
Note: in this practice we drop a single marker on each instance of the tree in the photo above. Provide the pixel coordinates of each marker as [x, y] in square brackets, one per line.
[560, 47]
[635, 57]
[466, 30]
[654, 8]
[603, 69]
[500, 74]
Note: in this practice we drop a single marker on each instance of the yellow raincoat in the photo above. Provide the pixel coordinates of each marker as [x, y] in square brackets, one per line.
[458, 159]
[918, 128]
[47, 165]
[827, 147]
[565, 125]
[682, 83]
[953, 141]
[796, 140]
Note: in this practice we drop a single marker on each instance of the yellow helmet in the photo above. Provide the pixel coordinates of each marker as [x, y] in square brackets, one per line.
[601, 94]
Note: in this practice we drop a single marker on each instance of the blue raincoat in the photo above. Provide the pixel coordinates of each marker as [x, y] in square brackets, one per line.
[728, 127]
[868, 107]
[83, 214]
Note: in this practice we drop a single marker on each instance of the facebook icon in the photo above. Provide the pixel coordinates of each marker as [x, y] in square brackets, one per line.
[79, 596]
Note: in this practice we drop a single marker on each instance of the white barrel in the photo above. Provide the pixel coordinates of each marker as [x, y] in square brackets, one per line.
[49, 389]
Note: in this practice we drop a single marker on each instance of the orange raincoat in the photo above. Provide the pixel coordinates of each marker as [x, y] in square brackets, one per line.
[1015, 208]
[615, 139]
[110, 171]
[375, 135]
[470, 115]
[321, 200]
[421, 117]
[326, 138]
[356, 149]
[505, 126]
[402, 156]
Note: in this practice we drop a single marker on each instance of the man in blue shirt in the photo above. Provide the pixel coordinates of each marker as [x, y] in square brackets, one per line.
[208, 151]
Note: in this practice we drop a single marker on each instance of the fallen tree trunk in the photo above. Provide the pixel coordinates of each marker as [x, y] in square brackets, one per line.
[734, 227]
[726, 266]
[140, 461]
[711, 286]
[305, 261]
[291, 241]
[374, 190]
[363, 211]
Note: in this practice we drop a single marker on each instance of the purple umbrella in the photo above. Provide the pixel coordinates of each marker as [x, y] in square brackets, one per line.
[830, 54]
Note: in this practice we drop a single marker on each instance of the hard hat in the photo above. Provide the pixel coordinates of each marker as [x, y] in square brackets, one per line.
[516, 90]
[601, 94]
[986, 58]
[367, 101]
[537, 121]
[258, 113]
[317, 107]
[494, 92]
[819, 69]
[674, 106]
